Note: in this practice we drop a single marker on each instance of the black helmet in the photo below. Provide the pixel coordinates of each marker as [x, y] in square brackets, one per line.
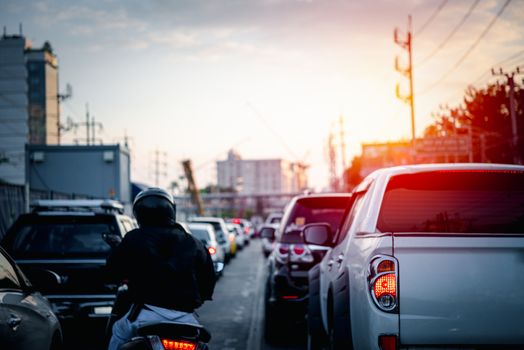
[154, 207]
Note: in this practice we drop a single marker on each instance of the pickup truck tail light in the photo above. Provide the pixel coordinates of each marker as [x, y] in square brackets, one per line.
[383, 282]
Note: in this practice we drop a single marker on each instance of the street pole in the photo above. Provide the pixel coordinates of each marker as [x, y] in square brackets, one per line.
[512, 110]
[408, 73]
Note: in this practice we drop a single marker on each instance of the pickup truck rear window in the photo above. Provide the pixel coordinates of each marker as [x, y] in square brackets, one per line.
[454, 202]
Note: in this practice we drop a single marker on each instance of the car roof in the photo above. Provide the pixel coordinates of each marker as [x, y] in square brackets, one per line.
[207, 218]
[200, 226]
[419, 168]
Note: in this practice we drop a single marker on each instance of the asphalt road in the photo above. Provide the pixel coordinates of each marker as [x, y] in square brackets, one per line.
[235, 317]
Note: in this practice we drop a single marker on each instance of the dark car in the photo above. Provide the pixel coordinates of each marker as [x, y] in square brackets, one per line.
[289, 263]
[62, 248]
[26, 319]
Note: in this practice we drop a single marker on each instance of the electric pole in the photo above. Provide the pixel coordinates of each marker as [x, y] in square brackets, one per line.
[332, 156]
[512, 110]
[159, 165]
[408, 73]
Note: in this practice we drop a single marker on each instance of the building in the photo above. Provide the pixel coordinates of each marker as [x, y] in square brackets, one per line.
[29, 110]
[44, 122]
[384, 154]
[260, 176]
[94, 171]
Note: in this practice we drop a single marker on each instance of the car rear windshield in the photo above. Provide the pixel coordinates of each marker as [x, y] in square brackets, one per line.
[202, 235]
[454, 202]
[218, 229]
[313, 210]
[60, 236]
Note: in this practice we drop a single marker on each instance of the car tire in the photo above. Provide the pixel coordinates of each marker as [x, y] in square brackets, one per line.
[340, 334]
[317, 336]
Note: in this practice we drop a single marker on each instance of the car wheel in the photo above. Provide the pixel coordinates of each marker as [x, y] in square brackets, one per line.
[317, 337]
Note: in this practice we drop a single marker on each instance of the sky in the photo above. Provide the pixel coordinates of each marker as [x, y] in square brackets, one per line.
[270, 78]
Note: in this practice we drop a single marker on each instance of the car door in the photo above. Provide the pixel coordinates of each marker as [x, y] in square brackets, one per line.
[25, 318]
[330, 267]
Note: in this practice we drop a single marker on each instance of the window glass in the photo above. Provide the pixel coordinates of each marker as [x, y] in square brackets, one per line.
[202, 235]
[355, 205]
[454, 202]
[313, 210]
[58, 237]
[8, 277]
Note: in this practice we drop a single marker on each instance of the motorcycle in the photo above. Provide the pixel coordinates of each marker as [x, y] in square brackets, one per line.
[158, 335]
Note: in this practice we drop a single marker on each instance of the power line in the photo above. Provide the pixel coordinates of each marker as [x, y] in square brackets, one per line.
[451, 34]
[468, 51]
[431, 18]
[280, 138]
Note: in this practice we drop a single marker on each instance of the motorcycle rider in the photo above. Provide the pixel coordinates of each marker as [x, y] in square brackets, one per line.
[169, 273]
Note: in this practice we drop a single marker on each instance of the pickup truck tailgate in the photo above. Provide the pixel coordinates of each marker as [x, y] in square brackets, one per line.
[460, 290]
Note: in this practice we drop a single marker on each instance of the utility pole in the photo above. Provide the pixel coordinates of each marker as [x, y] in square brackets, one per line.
[90, 124]
[408, 73]
[159, 165]
[332, 156]
[512, 109]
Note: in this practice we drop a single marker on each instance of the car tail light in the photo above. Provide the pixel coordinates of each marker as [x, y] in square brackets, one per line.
[246, 230]
[383, 282]
[289, 297]
[212, 250]
[236, 221]
[169, 344]
[387, 342]
[300, 253]
[282, 252]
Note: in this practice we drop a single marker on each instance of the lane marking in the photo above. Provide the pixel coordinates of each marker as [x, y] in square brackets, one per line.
[255, 328]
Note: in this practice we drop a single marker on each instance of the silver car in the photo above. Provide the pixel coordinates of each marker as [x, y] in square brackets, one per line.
[26, 319]
[206, 234]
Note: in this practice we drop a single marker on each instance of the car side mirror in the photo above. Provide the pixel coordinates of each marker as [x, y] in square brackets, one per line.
[268, 232]
[318, 234]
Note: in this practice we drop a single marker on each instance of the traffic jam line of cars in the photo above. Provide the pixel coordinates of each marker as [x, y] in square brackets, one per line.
[54, 289]
[422, 257]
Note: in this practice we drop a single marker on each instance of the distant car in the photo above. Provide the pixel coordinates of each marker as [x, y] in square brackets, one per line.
[221, 231]
[267, 233]
[206, 234]
[240, 239]
[62, 247]
[274, 218]
[247, 227]
[288, 264]
[26, 319]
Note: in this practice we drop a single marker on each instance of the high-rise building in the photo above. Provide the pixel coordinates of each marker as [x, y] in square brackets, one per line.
[29, 110]
[260, 176]
[42, 81]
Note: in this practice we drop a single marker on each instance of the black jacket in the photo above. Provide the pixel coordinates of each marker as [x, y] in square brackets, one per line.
[164, 266]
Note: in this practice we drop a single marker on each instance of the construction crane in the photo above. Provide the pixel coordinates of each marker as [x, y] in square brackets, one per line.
[192, 187]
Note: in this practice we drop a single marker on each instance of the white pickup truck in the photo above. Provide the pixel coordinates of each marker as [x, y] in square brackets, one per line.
[429, 257]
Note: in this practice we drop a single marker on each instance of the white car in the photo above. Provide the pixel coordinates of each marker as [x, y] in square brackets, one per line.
[429, 257]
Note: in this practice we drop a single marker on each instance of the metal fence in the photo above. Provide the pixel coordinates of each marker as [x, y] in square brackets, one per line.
[13, 202]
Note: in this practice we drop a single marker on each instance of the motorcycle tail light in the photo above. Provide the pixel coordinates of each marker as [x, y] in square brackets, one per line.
[387, 342]
[169, 344]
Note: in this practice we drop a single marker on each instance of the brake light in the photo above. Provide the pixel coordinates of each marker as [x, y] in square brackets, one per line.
[283, 249]
[178, 345]
[289, 297]
[383, 282]
[298, 249]
[387, 342]
[301, 254]
[235, 221]
[212, 250]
